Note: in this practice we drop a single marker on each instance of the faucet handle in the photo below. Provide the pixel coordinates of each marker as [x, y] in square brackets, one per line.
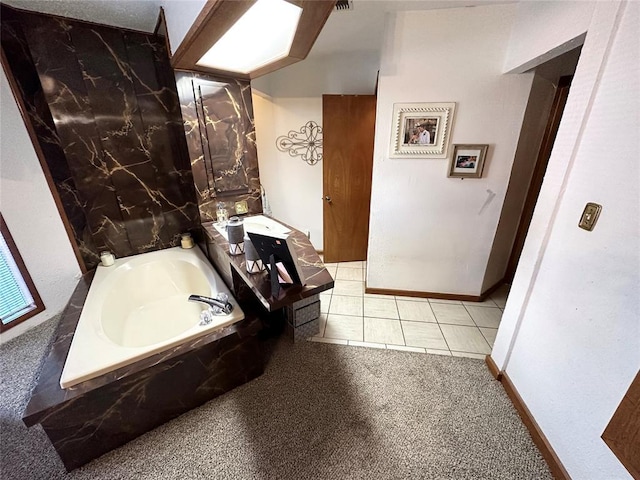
[221, 305]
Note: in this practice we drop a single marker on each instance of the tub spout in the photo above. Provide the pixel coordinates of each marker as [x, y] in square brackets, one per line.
[222, 304]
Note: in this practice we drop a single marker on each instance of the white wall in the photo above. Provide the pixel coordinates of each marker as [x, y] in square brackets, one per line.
[32, 217]
[285, 100]
[294, 188]
[180, 15]
[560, 34]
[430, 233]
[570, 335]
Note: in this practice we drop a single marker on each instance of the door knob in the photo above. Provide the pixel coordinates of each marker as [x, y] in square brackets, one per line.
[328, 198]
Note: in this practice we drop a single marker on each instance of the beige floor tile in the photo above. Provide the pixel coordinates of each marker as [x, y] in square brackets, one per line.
[383, 330]
[380, 308]
[348, 287]
[412, 299]
[421, 334]
[489, 334]
[451, 314]
[351, 264]
[486, 303]
[478, 356]
[332, 271]
[403, 348]
[500, 302]
[440, 300]
[341, 305]
[344, 327]
[445, 353]
[323, 324]
[367, 344]
[461, 338]
[485, 316]
[348, 273]
[500, 295]
[331, 265]
[325, 301]
[416, 311]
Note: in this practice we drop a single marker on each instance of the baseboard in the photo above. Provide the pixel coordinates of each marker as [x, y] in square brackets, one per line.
[493, 368]
[557, 469]
[411, 293]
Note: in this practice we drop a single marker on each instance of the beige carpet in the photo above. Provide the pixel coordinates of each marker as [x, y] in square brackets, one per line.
[319, 412]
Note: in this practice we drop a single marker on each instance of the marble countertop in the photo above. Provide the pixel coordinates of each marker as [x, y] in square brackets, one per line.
[318, 278]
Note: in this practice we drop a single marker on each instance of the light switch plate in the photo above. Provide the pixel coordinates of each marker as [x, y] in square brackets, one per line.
[241, 207]
[590, 216]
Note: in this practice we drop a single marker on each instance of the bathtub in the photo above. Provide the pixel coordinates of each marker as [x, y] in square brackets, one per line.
[138, 307]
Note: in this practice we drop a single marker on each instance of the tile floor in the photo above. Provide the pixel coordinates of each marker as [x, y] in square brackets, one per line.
[444, 327]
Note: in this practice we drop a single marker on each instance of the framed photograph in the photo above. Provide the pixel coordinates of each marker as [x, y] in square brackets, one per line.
[467, 161]
[421, 130]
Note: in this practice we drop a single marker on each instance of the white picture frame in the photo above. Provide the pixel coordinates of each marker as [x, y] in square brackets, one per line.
[421, 130]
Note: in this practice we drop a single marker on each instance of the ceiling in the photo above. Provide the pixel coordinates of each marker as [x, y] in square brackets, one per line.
[133, 14]
[357, 29]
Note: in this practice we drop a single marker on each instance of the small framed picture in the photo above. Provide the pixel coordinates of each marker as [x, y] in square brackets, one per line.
[467, 161]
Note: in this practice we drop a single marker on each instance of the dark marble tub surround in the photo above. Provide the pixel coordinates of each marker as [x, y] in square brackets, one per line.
[17, 61]
[220, 132]
[108, 100]
[318, 278]
[96, 416]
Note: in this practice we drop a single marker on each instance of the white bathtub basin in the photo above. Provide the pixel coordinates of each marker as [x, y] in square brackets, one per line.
[139, 307]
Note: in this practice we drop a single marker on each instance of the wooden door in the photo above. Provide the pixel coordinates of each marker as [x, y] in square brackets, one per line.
[622, 435]
[348, 124]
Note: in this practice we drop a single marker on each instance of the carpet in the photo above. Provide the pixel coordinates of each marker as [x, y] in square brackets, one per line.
[319, 411]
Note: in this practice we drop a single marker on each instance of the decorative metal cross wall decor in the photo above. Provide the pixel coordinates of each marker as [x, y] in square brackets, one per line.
[307, 143]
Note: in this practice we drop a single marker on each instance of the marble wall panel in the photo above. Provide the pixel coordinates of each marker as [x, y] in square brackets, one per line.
[220, 131]
[124, 175]
[69, 103]
[18, 58]
[154, 83]
[102, 54]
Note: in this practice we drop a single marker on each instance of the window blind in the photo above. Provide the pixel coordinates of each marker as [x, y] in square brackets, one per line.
[15, 299]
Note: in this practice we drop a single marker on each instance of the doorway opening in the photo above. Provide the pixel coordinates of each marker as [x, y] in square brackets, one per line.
[549, 92]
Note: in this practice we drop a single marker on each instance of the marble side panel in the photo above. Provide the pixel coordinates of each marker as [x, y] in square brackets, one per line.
[220, 131]
[86, 421]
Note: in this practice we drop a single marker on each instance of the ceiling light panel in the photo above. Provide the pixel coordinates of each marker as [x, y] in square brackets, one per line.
[261, 36]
